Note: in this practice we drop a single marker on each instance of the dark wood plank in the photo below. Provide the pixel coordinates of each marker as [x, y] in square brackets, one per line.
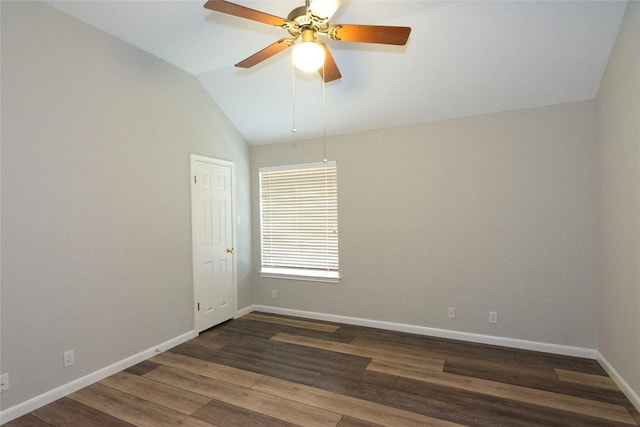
[66, 412]
[142, 367]
[302, 357]
[577, 364]
[372, 352]
[211, 339]
[296, 323]
[515, 373]
[27, 421]
[272, 348]
[301, 375]
[335, 326]
[377, 379]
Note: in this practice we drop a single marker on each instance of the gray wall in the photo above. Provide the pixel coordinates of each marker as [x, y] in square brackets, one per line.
[494, 212]
[618, 177]
[96, 234]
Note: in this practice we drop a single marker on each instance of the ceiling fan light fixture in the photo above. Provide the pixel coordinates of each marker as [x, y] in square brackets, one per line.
[308, 56]
[305, 24]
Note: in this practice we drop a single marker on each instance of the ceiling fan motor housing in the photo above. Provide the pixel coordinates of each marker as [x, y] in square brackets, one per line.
[297, 12]
[301, 19]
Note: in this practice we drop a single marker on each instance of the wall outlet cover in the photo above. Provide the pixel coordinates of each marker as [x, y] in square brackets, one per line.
[69, 358]
[4, 382]
[493, 317]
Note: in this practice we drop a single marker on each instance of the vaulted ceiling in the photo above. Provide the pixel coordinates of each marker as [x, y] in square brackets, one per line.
[463, 58]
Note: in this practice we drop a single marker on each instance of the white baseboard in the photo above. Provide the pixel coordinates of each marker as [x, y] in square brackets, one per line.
[620, 382]
[432, 332]
[246, 310]
[75, 385]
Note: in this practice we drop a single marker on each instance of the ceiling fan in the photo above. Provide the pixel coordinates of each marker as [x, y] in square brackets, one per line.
[306, 24]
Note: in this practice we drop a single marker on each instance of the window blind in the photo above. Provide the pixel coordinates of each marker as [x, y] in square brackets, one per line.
[299, 219]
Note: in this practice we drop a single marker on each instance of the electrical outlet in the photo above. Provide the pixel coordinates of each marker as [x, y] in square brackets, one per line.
[493, 317]
[4, 382]
[451, 313]
[69, 358]
[274, 293]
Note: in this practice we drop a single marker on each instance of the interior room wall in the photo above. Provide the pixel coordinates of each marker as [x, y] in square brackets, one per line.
[96, 223]
[618, 202]
[486, 213]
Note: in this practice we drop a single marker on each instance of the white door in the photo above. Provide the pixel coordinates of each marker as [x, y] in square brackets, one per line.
[212, 207]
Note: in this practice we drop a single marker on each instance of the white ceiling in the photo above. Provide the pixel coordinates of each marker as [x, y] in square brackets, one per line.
[463, 58]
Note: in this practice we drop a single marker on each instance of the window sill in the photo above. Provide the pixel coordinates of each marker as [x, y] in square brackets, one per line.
[292, 274]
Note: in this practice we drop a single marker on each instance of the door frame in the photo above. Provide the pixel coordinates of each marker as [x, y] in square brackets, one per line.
[199, 158]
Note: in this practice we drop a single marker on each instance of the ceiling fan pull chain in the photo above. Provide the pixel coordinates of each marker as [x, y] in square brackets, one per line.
[293, 97]
[324, 114]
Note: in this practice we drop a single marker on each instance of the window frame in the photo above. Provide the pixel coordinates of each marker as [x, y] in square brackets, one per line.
[304, 274]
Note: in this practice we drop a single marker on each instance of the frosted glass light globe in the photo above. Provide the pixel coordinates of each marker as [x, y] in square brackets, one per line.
[308, 56]
[324, 8]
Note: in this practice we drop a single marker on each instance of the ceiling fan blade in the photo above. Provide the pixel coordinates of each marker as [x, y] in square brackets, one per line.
[265, 53]
[244, 12]
[370, 34]
[325, 8]
[331, 71]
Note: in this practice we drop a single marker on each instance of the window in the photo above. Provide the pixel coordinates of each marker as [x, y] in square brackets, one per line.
[299, 221]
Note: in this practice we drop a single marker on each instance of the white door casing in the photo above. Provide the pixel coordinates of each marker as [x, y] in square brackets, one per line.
[213, 234]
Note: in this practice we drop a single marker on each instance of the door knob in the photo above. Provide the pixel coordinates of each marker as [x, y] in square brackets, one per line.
[229, 250]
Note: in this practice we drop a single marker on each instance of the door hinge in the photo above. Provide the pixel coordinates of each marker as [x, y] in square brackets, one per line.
[195, 179]
[198, 306]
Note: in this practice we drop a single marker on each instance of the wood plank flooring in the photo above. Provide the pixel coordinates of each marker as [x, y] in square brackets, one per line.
[268, 370]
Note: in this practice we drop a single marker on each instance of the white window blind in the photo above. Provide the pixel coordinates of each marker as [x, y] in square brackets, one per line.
[299, 221]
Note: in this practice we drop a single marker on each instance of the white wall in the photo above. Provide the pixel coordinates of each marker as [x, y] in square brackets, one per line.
[96, 233]
[618, 178]
[493, 212]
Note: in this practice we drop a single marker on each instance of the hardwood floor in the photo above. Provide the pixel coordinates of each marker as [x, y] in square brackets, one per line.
[267, 370]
